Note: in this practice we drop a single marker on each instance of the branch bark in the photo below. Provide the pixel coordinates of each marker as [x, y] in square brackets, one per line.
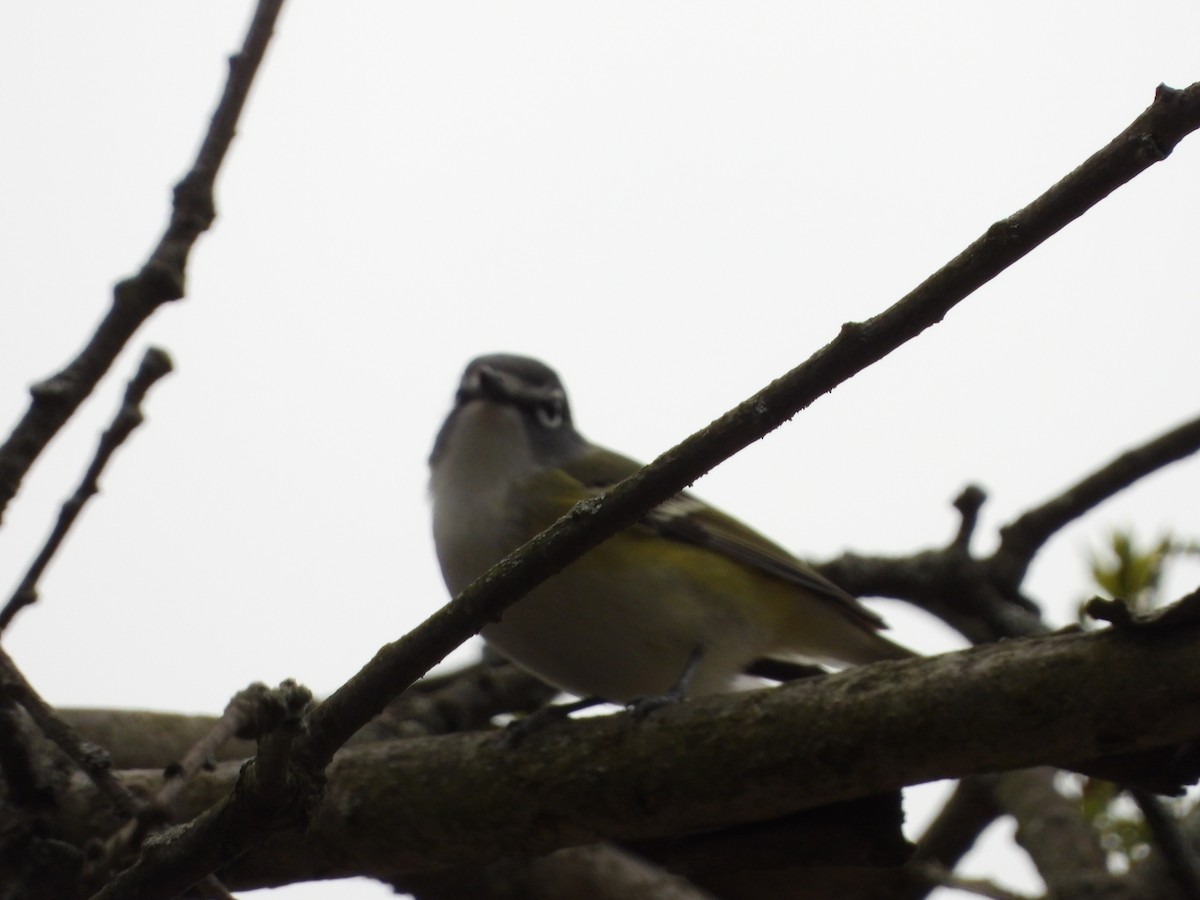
[428, 803]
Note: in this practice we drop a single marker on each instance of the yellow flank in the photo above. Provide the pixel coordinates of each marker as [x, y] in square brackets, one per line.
[751, 596]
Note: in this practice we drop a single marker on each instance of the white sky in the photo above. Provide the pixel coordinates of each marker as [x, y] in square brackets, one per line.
[670, 202]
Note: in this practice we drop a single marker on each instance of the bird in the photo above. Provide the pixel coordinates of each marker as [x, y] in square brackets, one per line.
[680, 604]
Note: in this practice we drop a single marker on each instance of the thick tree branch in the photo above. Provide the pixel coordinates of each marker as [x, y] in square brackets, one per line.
[1066, 850]
[464, 700]
[982, 599]
[427, 803]
[604, 872]
[91, 759]
[275, 796]
[160, 280]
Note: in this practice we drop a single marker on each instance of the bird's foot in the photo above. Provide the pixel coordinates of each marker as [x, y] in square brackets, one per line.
[640, 707]
[539, 720]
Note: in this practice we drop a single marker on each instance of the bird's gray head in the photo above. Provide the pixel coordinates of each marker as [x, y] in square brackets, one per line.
[531, 390]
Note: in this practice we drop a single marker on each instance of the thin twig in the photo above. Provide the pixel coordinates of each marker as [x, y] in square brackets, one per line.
[160, 280]
[214, 839]
[155, 364]
[968, 503]
[1021, 540]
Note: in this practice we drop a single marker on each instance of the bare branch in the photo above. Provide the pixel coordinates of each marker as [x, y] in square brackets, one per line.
[271, 795]
[981, 597]
[27, 784]
[1064, 848]
[1021, 540]
[606, 872]
[252, 712]
[718, 762]
[940, 876]
[91, 759]
[463, 700]
[1179, 859]
[155, 364]
[160, 280]
[963, 818]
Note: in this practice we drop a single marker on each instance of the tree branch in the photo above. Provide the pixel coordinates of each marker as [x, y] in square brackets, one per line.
[963, 818]
[463, 700]
[160, 280]
[717, 762]
[1021, 540]
[1065, 849]
[1178, 858]
[92, 760]
[940, 876]
[155, 364]
[981, 597]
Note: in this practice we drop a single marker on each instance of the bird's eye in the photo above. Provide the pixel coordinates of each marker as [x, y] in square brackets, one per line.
[550, 413]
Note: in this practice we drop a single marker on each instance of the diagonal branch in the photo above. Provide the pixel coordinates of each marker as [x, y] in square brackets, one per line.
[92, 760]
[160, 280]
[155, 364]
[1021, 539]
[1178, 857]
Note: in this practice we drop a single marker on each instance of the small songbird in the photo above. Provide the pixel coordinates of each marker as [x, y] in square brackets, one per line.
[680, 603]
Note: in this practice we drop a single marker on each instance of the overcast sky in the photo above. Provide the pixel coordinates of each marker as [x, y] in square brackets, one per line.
[671, 203]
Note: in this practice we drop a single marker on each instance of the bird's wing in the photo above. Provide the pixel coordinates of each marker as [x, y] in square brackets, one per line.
[688, 519]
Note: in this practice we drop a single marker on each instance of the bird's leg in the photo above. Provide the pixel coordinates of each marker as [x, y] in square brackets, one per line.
[782, 670]
[643, 706]
[543, 718]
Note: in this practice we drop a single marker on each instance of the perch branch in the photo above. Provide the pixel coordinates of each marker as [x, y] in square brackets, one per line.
[717, 762]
